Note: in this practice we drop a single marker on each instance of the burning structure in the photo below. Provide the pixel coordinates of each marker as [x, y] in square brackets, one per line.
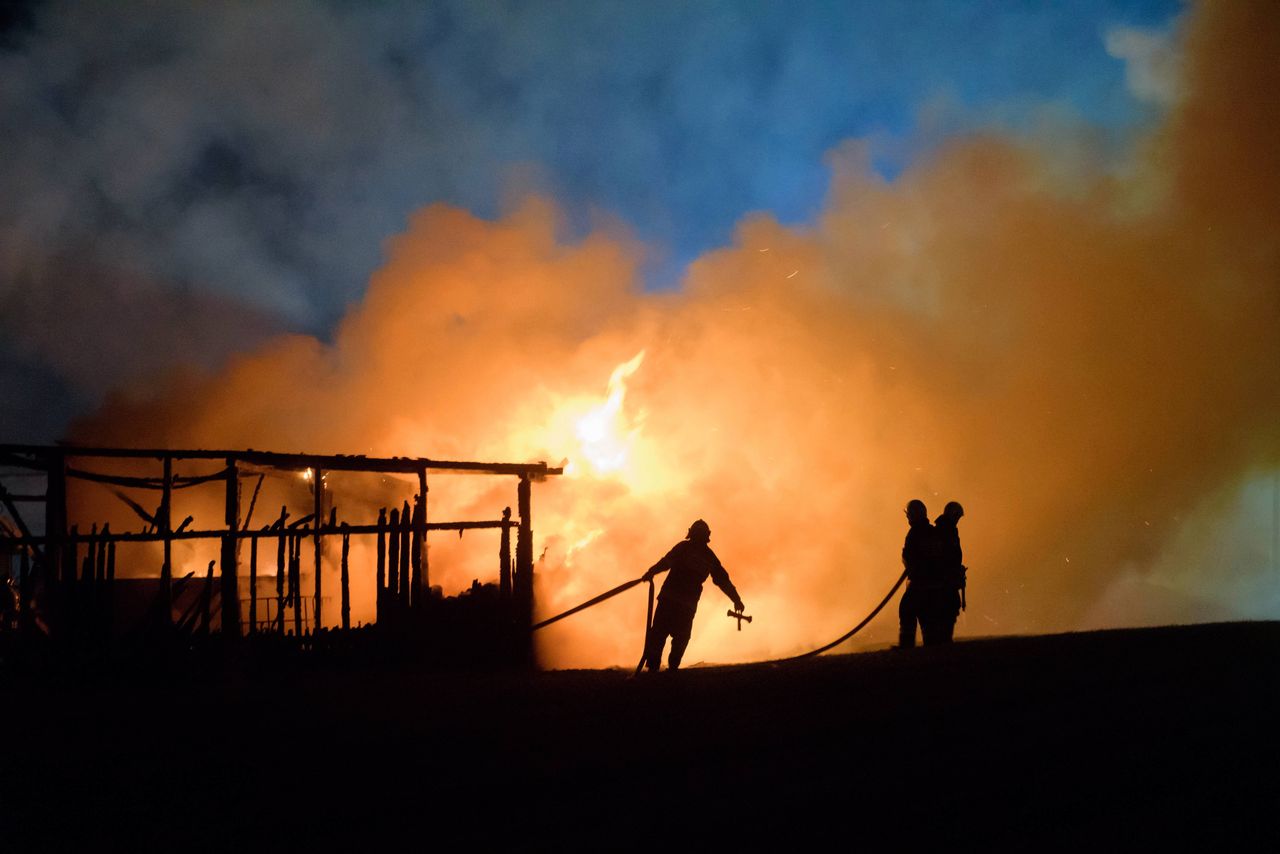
[69, 582]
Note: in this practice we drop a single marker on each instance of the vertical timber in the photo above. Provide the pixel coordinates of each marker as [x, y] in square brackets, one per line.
[25, 623]
[524, 553]
[55, 530]
[318, 487]
[346, 578]
[380, 590]
[421, 565]
[230, 572]
[406, 537]
[393, 561]
[253, 586]
[504, 557]
[281, 569]
[166, 529]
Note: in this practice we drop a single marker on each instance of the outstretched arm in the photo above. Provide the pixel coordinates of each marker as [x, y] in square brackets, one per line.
[721, 577]
[661, 566]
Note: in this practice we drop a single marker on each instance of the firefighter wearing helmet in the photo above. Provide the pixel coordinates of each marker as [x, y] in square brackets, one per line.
[690, 561]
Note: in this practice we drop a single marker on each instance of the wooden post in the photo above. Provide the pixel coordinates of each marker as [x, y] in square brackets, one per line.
[317, 484]
[524, 553]
[100, 572]
[295, 584]
[291, 567]
[230, 571]
[406, 523]
[100, 591]
[206, 599]
[504, 558]
[166, 528]
[84, 588]
[90, 564]
[421, 560]
[381, 590]
[100, 558]
[281, 568]
[25, 623]
[69, 598]
[346, 579]
[253, 586]
[393, 560]
[415, 553]
[110, 596]
[55, 531]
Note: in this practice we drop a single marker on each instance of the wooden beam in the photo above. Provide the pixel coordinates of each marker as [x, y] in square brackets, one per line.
[299, 462]
[177, 482]
[265, 533]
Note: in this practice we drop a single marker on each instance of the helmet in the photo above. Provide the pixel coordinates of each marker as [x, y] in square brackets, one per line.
[917, 510]
[699, 531]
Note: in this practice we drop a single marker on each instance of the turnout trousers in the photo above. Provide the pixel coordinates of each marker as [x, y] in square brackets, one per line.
[934, 609]
[669, 619]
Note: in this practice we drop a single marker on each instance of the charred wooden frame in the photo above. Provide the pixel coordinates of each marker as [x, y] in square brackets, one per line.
[406, 574]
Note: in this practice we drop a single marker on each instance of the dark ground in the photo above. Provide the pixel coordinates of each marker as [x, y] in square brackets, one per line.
[1107, 740]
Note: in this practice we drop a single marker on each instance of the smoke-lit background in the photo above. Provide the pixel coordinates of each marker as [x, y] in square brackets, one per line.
[1019, 257]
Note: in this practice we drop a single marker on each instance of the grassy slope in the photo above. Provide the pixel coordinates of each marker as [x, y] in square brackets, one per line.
[1104, 739]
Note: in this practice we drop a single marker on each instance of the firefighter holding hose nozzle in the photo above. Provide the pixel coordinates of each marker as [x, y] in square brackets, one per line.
[690, 561]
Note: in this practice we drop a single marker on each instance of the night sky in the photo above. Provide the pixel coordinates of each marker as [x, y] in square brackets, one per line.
[182, 181]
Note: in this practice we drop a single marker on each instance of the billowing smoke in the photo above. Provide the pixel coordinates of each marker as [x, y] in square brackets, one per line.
[208, 174]
[1083, 353]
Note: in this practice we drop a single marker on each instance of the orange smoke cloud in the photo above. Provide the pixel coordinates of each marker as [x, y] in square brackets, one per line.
[1077, 359]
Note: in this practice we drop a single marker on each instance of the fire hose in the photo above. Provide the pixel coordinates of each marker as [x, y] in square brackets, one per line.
[648, 624]
[609, 594]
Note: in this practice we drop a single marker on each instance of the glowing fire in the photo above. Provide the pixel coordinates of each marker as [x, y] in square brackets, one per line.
[603, 435]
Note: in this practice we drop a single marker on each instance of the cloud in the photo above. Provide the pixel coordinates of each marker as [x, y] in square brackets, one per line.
[258, 154]
[1152, 63]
